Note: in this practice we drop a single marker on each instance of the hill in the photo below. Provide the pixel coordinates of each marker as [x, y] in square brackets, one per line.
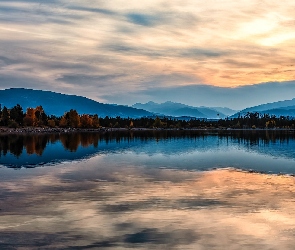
[57, 103]
[281, 108]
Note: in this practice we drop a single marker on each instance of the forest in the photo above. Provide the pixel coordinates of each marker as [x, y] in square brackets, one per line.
[15, 117]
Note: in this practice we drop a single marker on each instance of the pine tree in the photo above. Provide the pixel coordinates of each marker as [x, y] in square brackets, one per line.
[5, 116]
[16, 114]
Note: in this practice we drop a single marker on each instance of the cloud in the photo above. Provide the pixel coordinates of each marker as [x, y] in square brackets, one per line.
[125, 51]
[7, 60]
[212, 96]
[94, 10]
[98, 80]
[141, 19]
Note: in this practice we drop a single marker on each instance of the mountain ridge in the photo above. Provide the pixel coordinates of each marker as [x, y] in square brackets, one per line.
[51, 103]
[57, 104]
[280, 108]
[170, 108]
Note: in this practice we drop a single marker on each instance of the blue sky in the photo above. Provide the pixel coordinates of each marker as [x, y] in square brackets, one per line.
[211, 53]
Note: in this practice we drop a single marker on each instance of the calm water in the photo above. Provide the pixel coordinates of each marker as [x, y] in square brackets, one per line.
[149, 190]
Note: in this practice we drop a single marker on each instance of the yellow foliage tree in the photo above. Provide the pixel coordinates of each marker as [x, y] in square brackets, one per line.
[63, 122]
[95, 121]
[30, 118]
[86, 121]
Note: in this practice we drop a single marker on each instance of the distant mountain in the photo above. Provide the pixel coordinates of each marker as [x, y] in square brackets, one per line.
[225, 110]
[57, 104]
[281, 108]
[179, 109]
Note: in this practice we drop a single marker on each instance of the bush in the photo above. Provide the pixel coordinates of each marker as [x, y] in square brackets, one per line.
[28, 121]
[51, 123]
[13, 124]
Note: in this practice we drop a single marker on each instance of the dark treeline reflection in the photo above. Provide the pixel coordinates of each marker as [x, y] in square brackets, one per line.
[36, 144]
[257, 137]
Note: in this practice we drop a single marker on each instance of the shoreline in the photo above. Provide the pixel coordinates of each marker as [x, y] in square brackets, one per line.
[47, 130]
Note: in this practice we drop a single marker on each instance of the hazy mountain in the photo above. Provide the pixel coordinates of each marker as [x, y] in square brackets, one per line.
[58, 104]
[288, 104]
[179, 109]
[280, 112]
[186, 111]
[281, 108]
[225, 110]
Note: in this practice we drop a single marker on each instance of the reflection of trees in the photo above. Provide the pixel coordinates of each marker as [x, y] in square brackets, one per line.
[11, 143]
[41, 143]
[16, 146]
[35, 144]
[88, 139]
[53, 138]
[3, 145]
[70, 141]
[30, 144]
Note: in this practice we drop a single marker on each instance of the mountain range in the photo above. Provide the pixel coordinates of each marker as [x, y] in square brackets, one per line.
[57, 104]
[178, 109]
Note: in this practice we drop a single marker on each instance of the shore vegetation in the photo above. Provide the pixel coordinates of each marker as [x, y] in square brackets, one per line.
[16, 117]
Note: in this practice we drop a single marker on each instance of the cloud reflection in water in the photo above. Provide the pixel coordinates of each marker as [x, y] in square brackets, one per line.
[118, 196]
[98, 203]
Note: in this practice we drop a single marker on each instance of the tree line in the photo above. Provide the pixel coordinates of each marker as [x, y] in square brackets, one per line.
[36, 117]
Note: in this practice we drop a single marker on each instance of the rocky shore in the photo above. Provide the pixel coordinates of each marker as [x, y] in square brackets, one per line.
[47, 130]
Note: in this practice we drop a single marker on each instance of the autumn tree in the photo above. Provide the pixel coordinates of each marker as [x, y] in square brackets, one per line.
[63, 123]
[70, 119]
[51, 123]
[86, 121]
[30, 118]
[74, 119]
[95, 121]
[41, 117]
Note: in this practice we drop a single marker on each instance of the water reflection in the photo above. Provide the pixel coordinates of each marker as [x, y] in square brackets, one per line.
[264, 151]
[119, 197]
[35, 144]
[94, 204]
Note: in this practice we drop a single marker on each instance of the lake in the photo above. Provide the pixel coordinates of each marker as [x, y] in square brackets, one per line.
[148, 190]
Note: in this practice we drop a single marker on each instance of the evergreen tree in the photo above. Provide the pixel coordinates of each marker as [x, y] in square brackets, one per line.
[5, 116]
[157, 122]
[16, 114]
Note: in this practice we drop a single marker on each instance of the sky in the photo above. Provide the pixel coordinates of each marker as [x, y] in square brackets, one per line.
[203, 53]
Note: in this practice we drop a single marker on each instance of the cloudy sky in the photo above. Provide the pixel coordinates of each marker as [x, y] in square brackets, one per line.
[213, 53]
